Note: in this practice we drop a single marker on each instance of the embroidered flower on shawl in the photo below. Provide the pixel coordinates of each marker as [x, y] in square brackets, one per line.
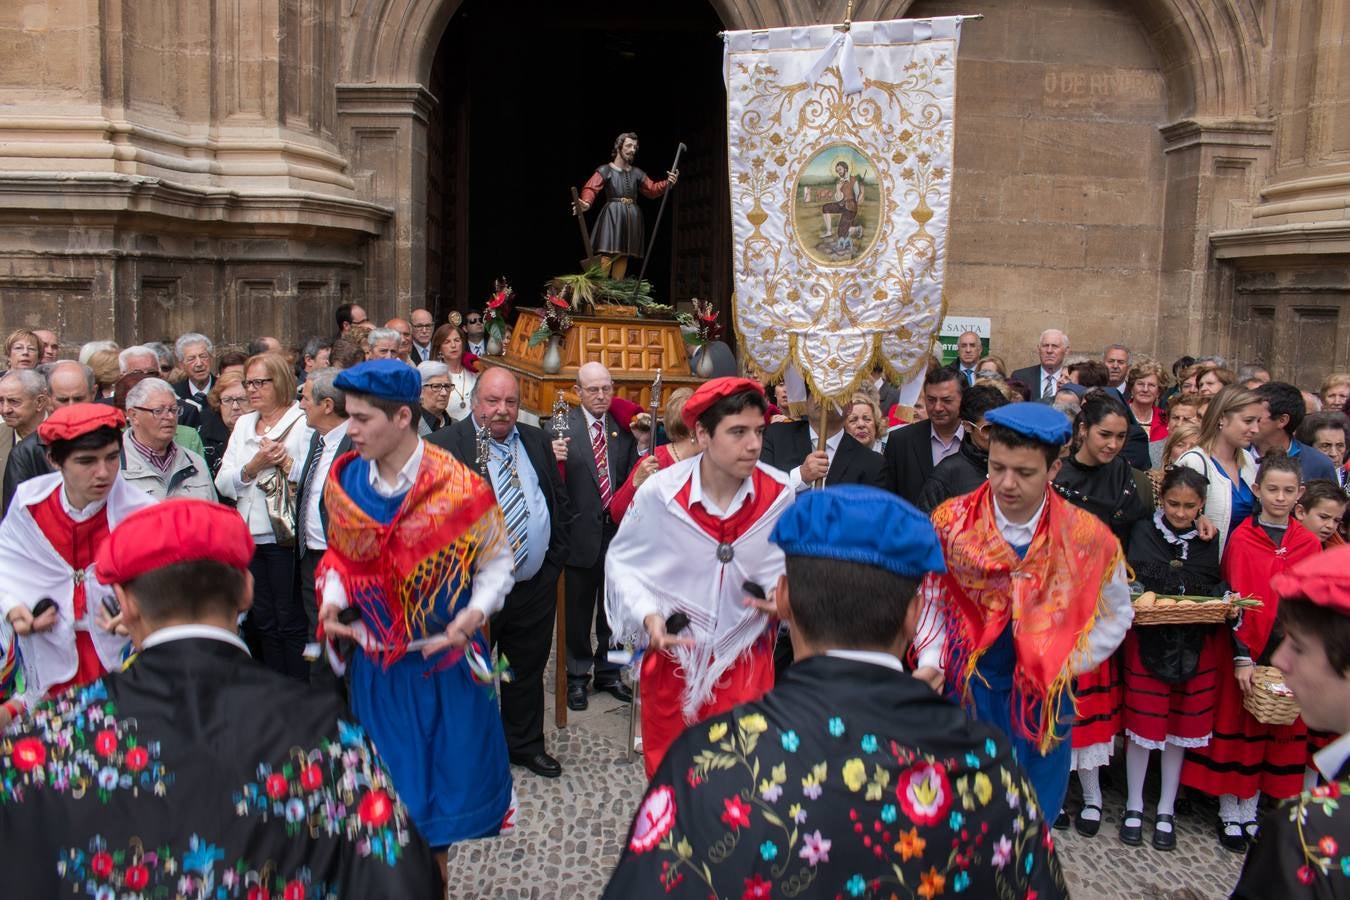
[836, 726]
[654, 819]
[910, 844]
[796, 813]
[790, 741]
[855, 774]
[736, 813]
[961, 881]
[815, 849]
[757, 888]
[931, 884]
[924, 793]
[753, 724]
[868, 743]
[855, 886]
[1002, 852]
[990, 748]
[1327, 845]
[888, 813]
[28, 754]
[717, 732]
[768, 851]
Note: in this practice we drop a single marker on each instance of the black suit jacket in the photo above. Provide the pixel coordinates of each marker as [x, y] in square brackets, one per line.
[583, 484]
[184, 388]
[787, 444]
[461, 441]
[909, 460]
[1031, 377]
[27, 460]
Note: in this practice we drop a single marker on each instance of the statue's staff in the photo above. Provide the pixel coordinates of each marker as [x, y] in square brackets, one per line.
[655, 407]
[559, 423]
[651, 243]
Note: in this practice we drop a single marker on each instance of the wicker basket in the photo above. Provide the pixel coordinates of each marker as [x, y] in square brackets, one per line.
[1183, 612]
[1266, 707]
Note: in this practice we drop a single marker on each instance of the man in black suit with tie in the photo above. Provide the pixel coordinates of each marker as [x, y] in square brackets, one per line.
[600, 456]
[1043, 380]
[913, 451]
[522, 468]
[423, 326]
[791, 448]
[967, 360]
[325, 408]
[196, 355]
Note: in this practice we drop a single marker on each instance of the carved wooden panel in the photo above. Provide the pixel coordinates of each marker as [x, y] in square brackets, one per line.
[62, 304]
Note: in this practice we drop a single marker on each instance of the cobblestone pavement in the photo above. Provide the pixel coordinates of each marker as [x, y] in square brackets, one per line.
[572, 829]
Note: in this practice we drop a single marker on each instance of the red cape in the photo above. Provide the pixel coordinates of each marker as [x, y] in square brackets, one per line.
[1250, 560]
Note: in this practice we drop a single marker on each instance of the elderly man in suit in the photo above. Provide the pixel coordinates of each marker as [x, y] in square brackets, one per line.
[1044, 379]
[600, 456]
[522, 468]
[968, 347]
[325, 409]
[791, 447]
[912, 452]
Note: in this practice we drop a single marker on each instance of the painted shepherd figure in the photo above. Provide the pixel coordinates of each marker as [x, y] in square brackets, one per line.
[619, 233]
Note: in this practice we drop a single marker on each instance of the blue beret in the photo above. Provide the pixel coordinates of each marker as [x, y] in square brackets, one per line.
[861, 524]
[1038, 421]
[388, 379]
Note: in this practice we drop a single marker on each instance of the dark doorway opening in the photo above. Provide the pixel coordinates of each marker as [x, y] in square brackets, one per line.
[532, 94]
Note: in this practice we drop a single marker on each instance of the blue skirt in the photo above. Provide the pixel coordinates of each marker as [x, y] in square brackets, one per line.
[440, 735]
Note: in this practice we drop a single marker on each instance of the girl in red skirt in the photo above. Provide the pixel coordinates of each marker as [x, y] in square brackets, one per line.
[1170, 671]
[1096, 478]
[1246, 757]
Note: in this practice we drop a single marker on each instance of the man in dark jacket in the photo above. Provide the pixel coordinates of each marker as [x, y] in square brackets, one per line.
[523, 471]
[1284, 413]
[913, 451]
[967, 469]
[791, 447]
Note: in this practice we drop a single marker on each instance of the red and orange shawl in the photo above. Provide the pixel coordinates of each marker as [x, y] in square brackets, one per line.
[399, 573]
[1052, 597]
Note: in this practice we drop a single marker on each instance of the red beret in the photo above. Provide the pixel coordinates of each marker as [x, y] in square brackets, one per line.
[69, 422]
[1321, 579]
[171, 532]
[710, 392]
[623, 411]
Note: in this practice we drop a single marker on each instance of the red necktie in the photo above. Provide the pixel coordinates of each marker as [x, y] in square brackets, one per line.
[601, 452]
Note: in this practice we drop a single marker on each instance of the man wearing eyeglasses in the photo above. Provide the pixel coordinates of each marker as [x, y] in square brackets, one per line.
[473, 330]
[151, 460]
[423, 326]
[601, 456]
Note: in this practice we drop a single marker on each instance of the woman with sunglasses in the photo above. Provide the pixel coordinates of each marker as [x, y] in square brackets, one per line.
[271, 438]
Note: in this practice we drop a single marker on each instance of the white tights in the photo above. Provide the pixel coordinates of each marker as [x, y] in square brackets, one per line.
[1136, 768]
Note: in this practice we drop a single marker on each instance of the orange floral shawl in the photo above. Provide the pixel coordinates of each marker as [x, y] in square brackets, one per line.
[1052, 598]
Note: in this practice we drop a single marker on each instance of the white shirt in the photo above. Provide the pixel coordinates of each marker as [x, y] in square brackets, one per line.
[1017, 535]
[184, 632]
[479, 348]
[79, 515]
[311, 516]
[1052, 378]
[743, 493]
[875, 657]
[943, 449]
[831, 447]
[1331, 758]
[538, 527]
[403, 479]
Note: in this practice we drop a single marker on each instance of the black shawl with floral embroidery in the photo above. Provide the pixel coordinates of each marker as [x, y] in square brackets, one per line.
[849, 779]
[198, 773]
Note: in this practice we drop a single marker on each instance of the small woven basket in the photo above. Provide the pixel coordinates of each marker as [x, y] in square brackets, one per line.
[1183, 612]
[1266, 707]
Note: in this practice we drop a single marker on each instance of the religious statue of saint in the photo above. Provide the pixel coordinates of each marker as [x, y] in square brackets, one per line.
[619, 233]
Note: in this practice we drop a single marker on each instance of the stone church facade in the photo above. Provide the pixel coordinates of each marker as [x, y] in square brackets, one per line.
[1174, 173]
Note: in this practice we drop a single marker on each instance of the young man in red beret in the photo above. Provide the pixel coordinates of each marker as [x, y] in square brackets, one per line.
[696, 533]
[1303, 847]
[48, 541]
[195, 769]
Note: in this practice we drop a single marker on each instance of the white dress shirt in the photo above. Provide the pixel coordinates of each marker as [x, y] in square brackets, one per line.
[1052, 378]
[1331, 758]
[539, 527]
[743, 494]
[875, 657]
[831, 447]
[185, 632]
[403, 479]
[311, 516]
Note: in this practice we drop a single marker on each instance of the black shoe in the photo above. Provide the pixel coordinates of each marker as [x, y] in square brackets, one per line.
[1134, 834]
[616, 689]
[1234, 842]
[1088, 827]
[1251, 830]
[539, 763]
[1062, 821]
[1164, 840]
[576, 695]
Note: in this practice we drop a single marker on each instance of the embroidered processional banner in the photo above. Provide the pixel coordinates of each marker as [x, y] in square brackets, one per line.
[840, 146]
